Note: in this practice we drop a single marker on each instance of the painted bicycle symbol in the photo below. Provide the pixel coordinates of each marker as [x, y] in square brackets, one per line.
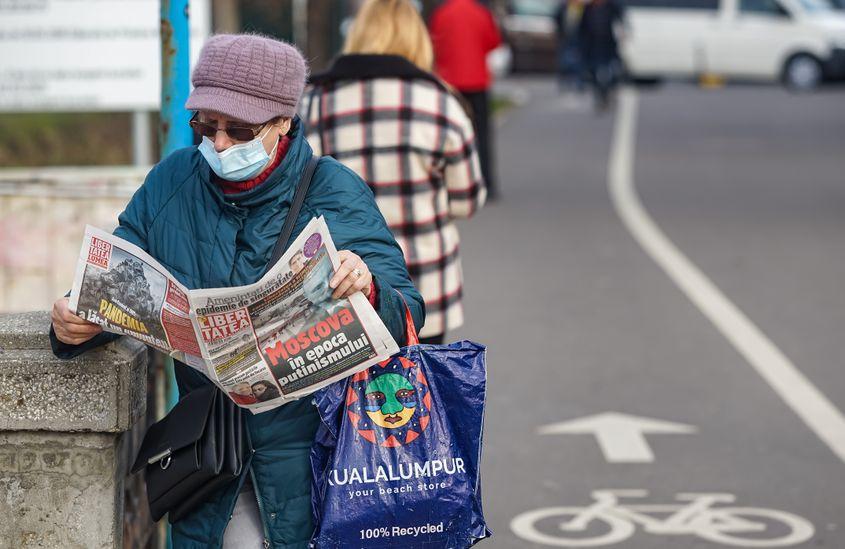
[607, 521]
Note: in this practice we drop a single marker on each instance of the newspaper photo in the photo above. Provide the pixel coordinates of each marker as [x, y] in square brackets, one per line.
[264, 344]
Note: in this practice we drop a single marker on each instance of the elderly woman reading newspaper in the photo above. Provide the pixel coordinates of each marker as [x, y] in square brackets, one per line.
[211, 215]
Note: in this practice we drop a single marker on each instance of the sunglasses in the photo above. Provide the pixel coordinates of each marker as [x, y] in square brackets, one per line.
[236, 133]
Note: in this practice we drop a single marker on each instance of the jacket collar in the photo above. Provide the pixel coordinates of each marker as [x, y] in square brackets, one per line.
[367, 66]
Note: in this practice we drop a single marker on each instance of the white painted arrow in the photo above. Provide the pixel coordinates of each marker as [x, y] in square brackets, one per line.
[620, 436]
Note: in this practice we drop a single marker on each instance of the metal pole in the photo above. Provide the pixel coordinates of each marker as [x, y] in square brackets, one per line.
[300, 24]
[142, 151]
[174, 132]
[226, 16]
[161, 382]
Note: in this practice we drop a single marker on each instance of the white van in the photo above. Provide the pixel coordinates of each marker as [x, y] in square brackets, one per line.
[797, 41]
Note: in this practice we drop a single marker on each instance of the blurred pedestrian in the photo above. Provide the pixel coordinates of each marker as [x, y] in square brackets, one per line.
[212, 215]
[569, 60]
[600, 23]
[381, 111]
[463, 33]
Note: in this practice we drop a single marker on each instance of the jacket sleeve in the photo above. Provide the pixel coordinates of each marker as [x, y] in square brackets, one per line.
[434, 30]
[494, 37]
[356, 224]
[67, 351]
[133, 224]
[462, 172]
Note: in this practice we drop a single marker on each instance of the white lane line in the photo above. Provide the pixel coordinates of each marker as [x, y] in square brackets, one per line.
[787, 381]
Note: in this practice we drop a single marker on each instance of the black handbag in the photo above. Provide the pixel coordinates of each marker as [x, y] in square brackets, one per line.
[201, 444]
[194, 450]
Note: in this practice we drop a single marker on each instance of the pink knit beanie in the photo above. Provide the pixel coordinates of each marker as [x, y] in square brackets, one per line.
[248, 77]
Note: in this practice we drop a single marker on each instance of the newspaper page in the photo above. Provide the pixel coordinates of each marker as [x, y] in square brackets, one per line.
[120, 287]
[264, 344]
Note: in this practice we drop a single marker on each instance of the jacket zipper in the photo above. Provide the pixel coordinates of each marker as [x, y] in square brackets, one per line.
[260, 508]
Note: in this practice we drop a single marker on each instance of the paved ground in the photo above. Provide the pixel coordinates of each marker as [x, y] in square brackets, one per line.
[749, 184]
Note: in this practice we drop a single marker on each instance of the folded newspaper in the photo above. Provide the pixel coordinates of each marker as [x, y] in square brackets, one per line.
[263, 344]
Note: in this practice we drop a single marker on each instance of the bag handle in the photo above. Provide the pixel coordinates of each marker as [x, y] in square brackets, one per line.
[293, 212]
[411, 336]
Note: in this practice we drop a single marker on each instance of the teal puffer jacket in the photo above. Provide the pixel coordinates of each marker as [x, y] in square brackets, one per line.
[207, 239]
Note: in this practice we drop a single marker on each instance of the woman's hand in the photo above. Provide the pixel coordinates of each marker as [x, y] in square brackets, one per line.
[70, 328]
[352, 276]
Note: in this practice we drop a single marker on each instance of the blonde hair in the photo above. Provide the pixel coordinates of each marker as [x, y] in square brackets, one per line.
[391, 27]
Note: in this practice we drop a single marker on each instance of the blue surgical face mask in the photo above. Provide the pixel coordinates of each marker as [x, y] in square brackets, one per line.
[238, 162]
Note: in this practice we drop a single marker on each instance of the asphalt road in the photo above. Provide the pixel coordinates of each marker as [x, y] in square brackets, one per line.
[748, 183]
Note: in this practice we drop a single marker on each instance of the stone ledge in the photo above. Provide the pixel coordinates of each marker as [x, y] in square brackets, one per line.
[102, 390]
[25, 330]
[73, 182]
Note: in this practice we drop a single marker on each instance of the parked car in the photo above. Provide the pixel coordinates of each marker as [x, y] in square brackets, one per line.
[529, 29]
[799, 42]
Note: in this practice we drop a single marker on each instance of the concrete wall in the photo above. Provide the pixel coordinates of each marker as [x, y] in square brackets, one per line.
[62, 424]
[43, 213]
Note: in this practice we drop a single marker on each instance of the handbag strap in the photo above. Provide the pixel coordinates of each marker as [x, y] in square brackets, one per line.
[293, 213]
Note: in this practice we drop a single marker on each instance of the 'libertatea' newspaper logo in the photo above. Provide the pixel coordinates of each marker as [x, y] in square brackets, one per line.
[99, 252]
[390, 403]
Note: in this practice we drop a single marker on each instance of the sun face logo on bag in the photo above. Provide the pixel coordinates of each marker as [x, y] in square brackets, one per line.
[389, 404]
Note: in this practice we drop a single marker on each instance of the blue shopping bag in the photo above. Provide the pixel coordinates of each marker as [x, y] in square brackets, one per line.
[396, 459]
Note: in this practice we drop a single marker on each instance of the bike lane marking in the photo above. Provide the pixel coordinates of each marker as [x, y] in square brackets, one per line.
[621, 437]
[693, 514]
[813, 407]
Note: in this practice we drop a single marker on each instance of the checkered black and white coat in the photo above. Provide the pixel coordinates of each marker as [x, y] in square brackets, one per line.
[402, 131]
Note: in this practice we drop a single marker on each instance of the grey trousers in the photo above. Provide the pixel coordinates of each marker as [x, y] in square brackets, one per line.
[245, 529]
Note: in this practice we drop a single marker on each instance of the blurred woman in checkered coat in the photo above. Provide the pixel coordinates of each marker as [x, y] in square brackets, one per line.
[381, 111]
